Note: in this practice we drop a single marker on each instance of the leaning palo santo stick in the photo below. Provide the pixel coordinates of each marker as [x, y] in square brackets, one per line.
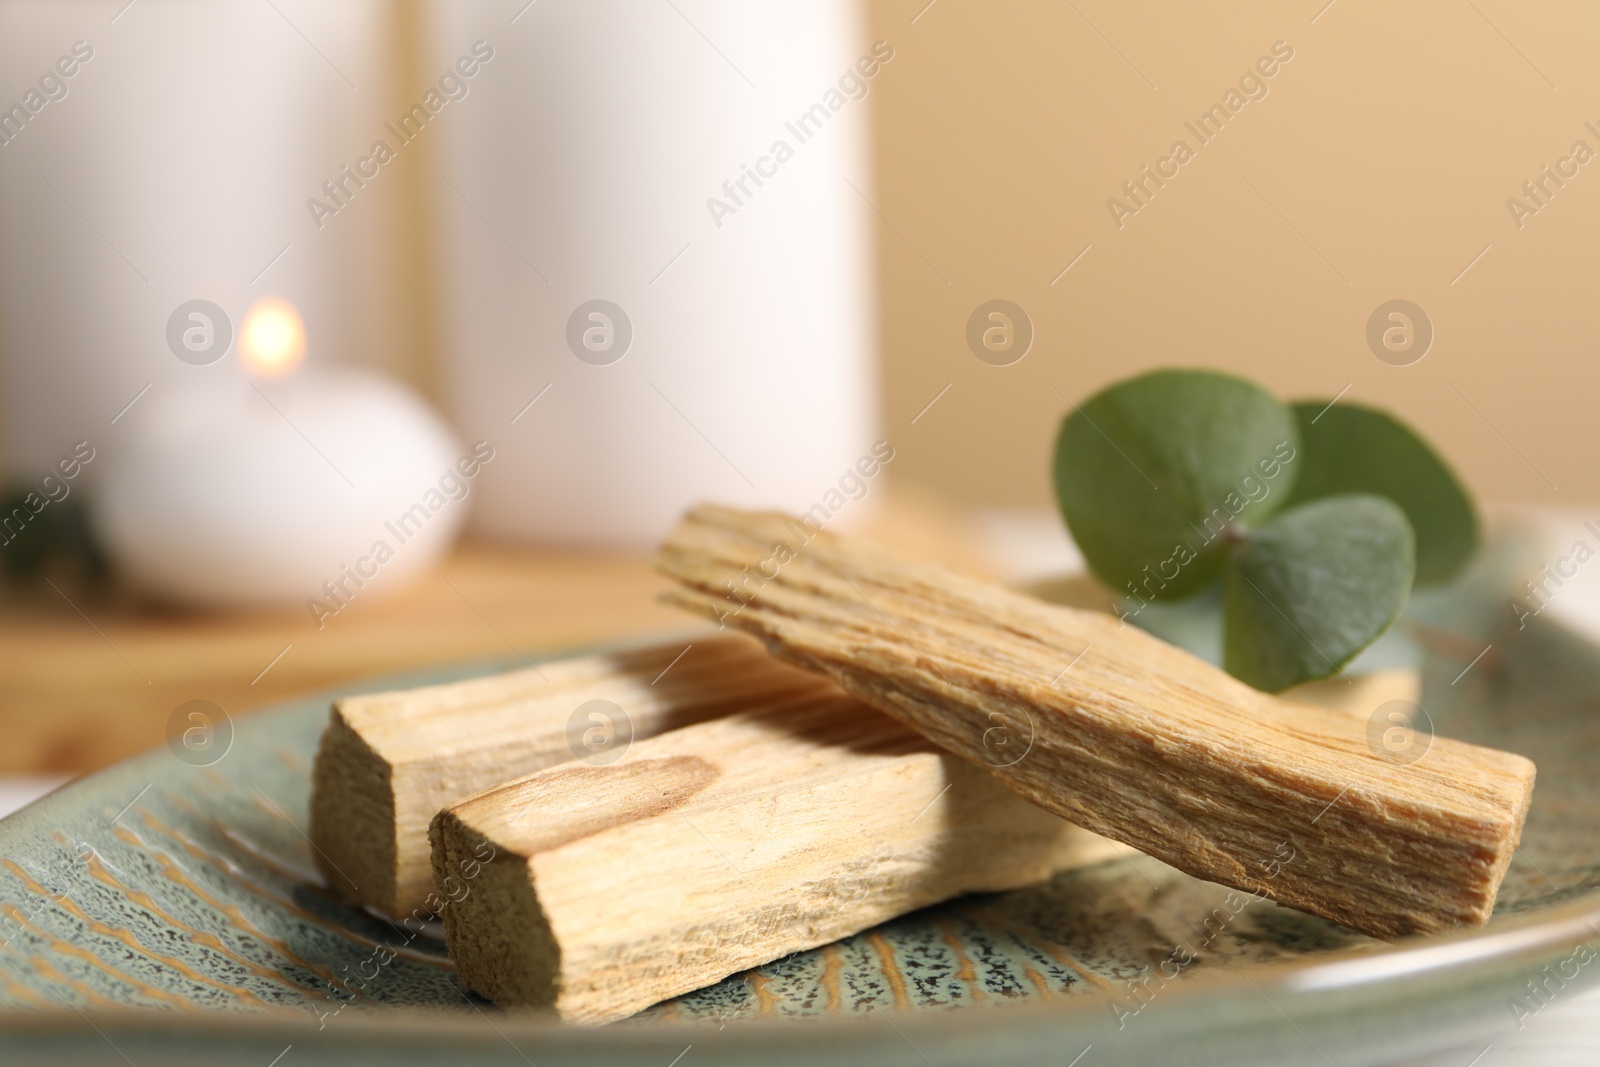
[599, 891]
[389, 761]
[1121, 732]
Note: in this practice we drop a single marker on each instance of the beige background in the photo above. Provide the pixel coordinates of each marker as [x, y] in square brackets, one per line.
[1391, 142]
[1381, 162]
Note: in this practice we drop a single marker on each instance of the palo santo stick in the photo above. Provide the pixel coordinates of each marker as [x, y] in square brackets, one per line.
[389, 761]
[599, 891]
[1121, 732]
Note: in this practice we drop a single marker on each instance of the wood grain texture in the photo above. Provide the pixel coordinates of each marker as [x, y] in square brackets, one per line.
[1120, 732]
[598, 891]
[389, 761]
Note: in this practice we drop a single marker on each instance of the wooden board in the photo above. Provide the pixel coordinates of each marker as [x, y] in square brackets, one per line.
[80, 690]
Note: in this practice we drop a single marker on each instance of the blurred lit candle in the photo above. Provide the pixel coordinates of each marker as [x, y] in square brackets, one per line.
[272, 340]
[282, 485]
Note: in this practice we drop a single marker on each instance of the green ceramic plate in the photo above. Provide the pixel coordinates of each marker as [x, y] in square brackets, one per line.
[163, 913]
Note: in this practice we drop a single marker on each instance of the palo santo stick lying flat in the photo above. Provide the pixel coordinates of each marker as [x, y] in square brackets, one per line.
[708, 850]
[1121, 732]
[389, 761]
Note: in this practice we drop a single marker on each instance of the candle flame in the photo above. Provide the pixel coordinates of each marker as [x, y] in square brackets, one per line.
[272, 341]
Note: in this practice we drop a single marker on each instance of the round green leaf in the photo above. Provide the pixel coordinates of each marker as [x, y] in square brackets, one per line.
[1307, 591]
[1355, 449]
[1151, 473]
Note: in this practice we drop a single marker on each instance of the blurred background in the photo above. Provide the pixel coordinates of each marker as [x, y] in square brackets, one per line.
[583, 269]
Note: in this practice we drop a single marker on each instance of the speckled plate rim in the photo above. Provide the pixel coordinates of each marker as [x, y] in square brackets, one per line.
[1367, 1008]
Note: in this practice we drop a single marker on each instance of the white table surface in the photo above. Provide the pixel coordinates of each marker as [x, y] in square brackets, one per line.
[1565, 1033]
[19, 790]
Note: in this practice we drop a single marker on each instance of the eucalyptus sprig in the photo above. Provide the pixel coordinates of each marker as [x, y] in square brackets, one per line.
[1314, 518]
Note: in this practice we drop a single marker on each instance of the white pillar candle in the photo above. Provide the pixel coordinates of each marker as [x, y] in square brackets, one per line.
[174, 164]
[733, 358]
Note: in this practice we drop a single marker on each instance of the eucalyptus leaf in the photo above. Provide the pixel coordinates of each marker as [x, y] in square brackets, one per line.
[1308, 590]
[1354, 449]
[1155, 474]
[1194, 624]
